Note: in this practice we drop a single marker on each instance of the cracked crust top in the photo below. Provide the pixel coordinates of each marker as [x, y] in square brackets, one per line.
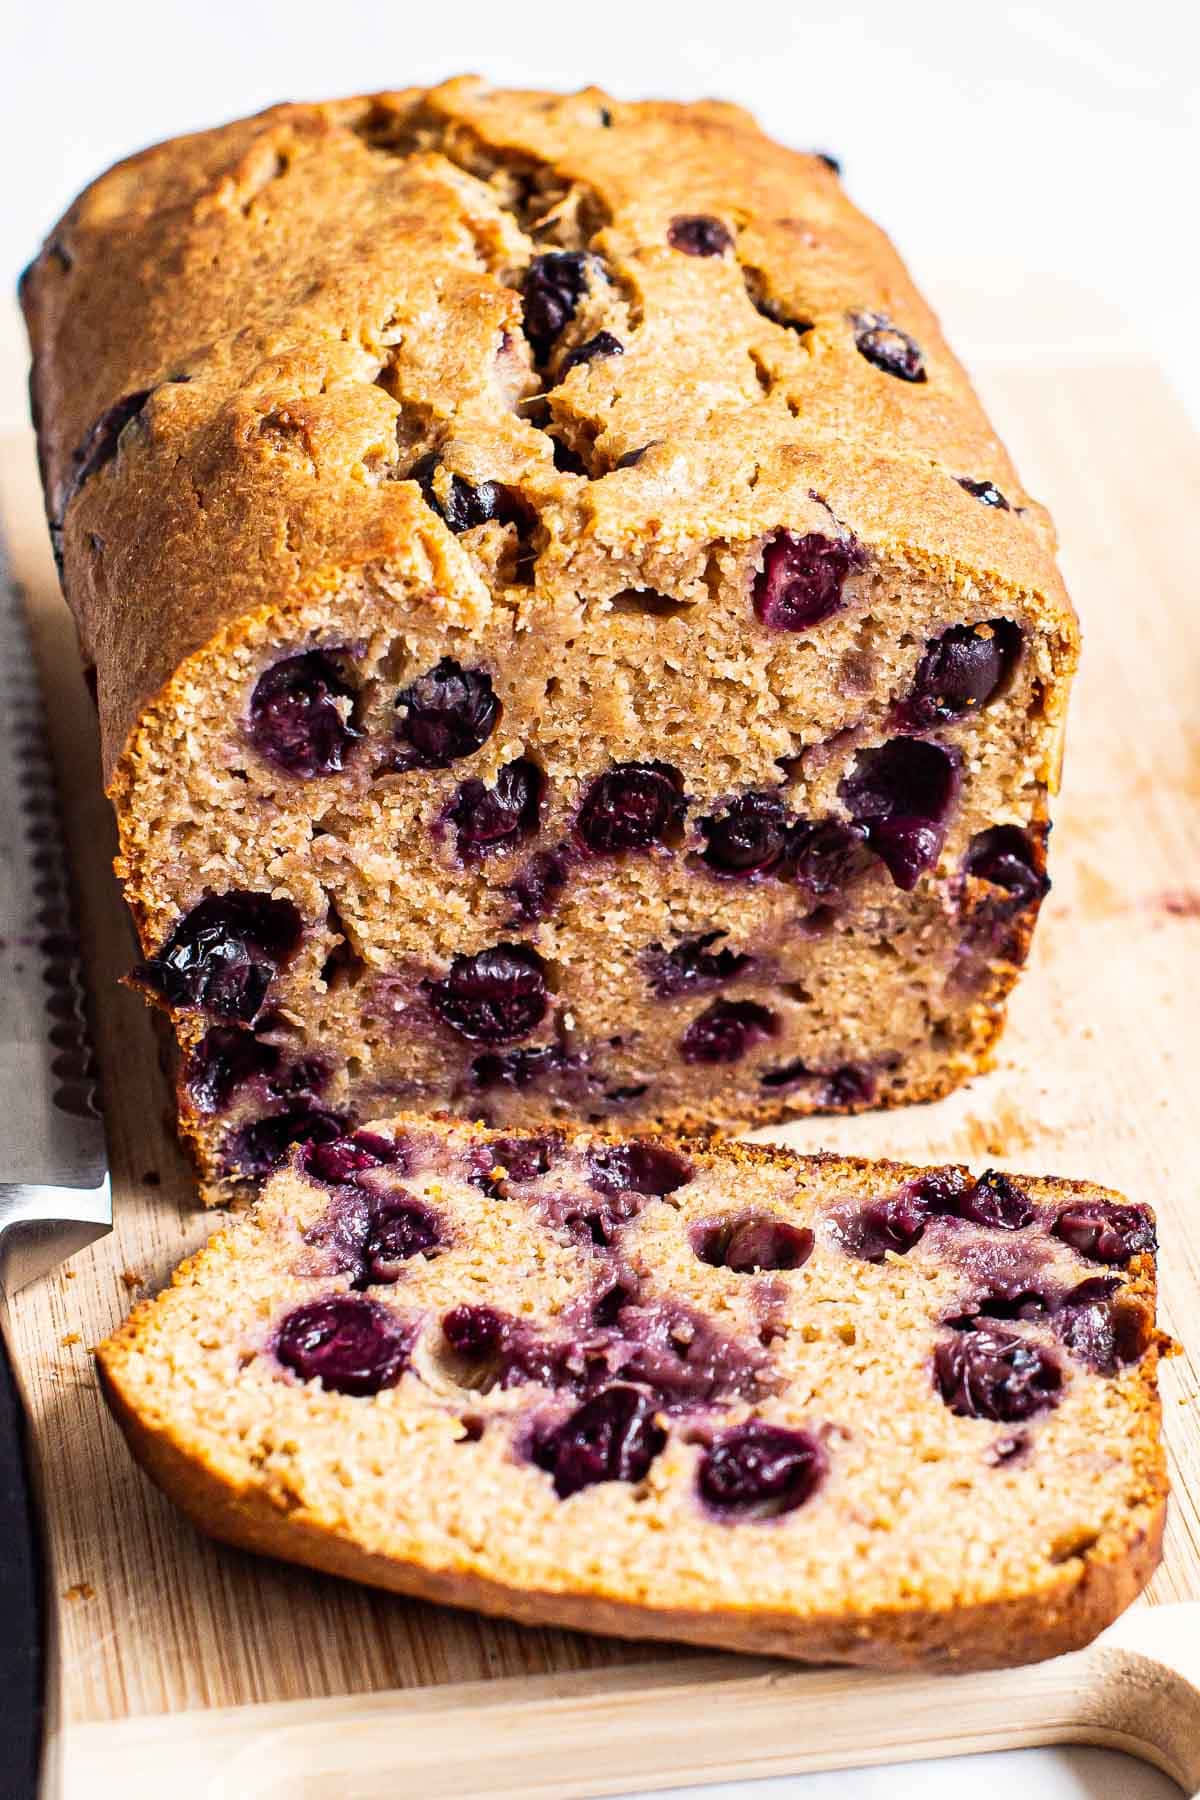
[229, 302]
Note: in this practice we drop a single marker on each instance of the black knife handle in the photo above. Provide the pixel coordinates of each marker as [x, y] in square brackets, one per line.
[22, 1604]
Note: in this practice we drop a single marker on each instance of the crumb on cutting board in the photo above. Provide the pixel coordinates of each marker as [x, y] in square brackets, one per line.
[79, 1590]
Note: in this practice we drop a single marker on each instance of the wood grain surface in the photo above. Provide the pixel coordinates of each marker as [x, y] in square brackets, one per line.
[1098, 1075]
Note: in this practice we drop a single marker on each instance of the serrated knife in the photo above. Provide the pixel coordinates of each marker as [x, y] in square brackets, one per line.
[54, 1188]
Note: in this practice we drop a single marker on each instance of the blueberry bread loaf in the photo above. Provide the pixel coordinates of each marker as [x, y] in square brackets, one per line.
[568, 642]
[836, 1410]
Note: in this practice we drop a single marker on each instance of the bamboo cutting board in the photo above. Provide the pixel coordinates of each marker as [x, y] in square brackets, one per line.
[220, 1675]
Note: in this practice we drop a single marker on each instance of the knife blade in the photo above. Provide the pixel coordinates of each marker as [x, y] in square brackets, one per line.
[54, 1187]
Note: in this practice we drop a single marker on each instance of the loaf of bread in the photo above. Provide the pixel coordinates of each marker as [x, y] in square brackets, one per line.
[568, 642]
[836, 1410]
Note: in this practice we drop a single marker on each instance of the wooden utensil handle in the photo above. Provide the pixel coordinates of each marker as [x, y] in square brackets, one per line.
[1137, 1689]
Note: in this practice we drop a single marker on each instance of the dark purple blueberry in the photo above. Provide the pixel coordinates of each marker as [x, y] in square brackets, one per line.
[751, 1242]
[749, 838]
[551, 291]
[474, 1331]
[631, 807]
[699, 234]
[726, 1030]
[465, 506]
[349, 1344]
[401, 1230]
[448, 713]
[986, 1373]
[223, 1061]
[99, 446]
[896, 1222]
[603, 344]
[960, 672]
[262, 1145]
[801, 580]
[986, 491]
[998, 1202]
[611, 1437]
[761, 1470]
[849, 1085]
[300, 715]
[825, 855]
[516, 1068]
[341, 1159]
[641, 1168]
[612, 1299]
[1098, 1329]
[496, 818]
[566, 460]
[887, 347]
[1004, 856]
[508, 1352]
[536, 886]
[692, 966]
[493, 997]
[902, 793]
[1105, 1232]
[223, 955]
[588, 1220]
[523, 1159]
[682, 1358]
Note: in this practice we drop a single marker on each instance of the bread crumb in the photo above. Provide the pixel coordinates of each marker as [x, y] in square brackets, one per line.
[131, 1279]
[72, 1337]
[79, 1590]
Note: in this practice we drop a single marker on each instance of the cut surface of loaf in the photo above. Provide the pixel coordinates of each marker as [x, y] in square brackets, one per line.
[568, 641]
[835, 1410]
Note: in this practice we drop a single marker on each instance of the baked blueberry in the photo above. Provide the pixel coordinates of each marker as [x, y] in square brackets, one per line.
[224, 1060]
[752, 1241]
[699, 234]
[349, 1344]
[300, 715]
[749, 839]
[493, 997]
[257, 1148]
[496, 818]
[340, 1159]
[761, 1470]
[641, 1168]
[902, 792]
[726, 1030]
[223, 955]
[445, 714]
[960, 672]
[551, 291]
[633, 806]
[693, 965]
[614, 1436]
[887, 347]
[987, 491]
[1105, 1232]
[802, 579]
[987, 1373]
[603, 344]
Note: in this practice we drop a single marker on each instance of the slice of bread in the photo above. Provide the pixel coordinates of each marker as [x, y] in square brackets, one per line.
[837, 1410]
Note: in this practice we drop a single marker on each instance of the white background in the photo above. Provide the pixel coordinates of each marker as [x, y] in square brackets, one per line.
[996, 143]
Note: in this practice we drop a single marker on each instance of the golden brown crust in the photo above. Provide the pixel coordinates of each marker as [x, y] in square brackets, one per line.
[316, 188]
[921, 1625]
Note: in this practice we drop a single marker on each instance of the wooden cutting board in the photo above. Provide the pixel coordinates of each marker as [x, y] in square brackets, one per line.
[200, 1667]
